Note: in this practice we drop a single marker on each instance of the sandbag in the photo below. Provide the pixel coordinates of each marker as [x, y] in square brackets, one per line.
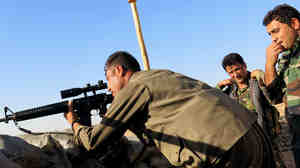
[6, 163]
[150, 158]
[23, 154]
[60, 149]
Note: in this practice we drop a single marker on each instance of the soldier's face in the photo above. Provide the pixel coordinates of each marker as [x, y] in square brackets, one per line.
[283, 34]
[115, 79]
[237, 72]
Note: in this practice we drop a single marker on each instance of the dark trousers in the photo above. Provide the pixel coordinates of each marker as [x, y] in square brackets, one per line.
[294, 124]
[253, 150]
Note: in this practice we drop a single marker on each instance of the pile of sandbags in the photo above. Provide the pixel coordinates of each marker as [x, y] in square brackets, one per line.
[5, 162]
[25, 155]
[59, 151]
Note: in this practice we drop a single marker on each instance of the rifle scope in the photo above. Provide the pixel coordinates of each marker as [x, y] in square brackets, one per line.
[77, 91]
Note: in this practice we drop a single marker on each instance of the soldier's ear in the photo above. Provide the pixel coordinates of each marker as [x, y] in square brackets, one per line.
[295, 23]
[244, 66]
[119, 70]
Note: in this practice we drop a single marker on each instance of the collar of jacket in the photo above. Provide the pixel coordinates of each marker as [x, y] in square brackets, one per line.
[293, 49]
[235, 89]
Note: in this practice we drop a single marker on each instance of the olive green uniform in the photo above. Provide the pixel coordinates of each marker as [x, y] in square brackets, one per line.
[191, 123]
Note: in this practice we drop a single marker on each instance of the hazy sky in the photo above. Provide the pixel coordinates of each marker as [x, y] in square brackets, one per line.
[48, 46]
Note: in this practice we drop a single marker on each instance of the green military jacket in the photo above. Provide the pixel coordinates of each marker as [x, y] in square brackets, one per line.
[243, 96]
[182, 116]
[288, 80]
[257, 101]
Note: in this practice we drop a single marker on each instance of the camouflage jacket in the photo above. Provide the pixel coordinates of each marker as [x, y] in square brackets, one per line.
[288, 80]
[256, 99]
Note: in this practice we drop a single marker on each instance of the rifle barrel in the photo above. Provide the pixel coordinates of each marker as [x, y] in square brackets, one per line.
[37, 112]
[92, 101]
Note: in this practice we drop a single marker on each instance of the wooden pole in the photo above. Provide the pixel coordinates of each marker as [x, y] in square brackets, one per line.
[139, 34]
[141, 44]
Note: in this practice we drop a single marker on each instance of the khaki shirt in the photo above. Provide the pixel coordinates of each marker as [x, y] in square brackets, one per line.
[183, 115]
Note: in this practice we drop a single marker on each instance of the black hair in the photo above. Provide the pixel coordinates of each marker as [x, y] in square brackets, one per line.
[282, 13]
[232, 59]
[123, 58]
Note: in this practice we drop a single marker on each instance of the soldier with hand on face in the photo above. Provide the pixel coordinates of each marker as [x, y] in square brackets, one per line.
[283, 25]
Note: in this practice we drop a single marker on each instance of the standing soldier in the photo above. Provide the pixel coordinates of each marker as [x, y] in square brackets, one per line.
[283, 25]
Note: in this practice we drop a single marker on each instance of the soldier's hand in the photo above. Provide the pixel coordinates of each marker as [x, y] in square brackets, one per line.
[70, 115]
[224, 83]
[272, 53]
[255, 74]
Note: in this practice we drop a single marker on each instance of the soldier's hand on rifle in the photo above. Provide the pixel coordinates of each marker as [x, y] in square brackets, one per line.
[70, 115]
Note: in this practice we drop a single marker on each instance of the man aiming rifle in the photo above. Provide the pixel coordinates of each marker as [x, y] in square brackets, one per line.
[191, 123]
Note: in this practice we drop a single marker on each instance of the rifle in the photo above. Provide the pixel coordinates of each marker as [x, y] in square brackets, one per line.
[81, 106]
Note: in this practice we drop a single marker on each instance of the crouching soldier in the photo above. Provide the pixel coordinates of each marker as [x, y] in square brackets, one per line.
[192, 124]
